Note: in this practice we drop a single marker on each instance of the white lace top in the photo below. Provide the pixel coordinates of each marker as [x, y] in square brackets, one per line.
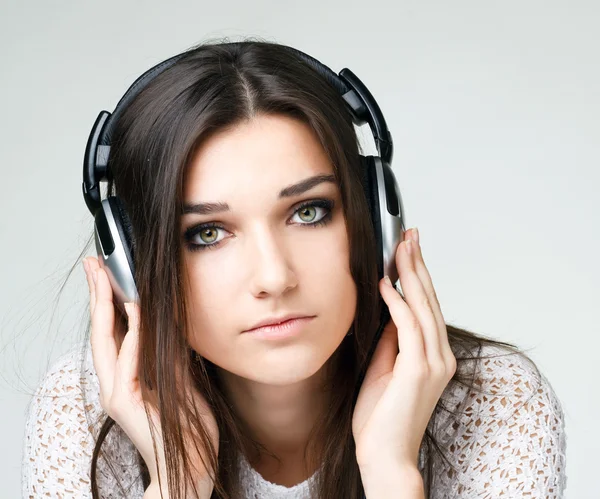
[507, 443]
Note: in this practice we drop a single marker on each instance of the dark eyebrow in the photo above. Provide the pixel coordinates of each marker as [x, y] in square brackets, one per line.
[289, 191]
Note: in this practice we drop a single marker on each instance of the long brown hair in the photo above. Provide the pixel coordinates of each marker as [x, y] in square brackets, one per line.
[215, 86]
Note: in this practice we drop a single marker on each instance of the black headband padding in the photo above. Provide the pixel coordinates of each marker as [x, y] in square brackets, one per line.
[132, 92]
[142, 81]
[369, 180]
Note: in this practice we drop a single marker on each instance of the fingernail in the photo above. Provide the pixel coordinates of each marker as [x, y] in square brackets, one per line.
[85, 266]
[387, 281]
[416, 234]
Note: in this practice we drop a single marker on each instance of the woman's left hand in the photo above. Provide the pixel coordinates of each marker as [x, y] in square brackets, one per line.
[401, 389]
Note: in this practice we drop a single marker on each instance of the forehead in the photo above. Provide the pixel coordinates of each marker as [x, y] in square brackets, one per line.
[263, 154]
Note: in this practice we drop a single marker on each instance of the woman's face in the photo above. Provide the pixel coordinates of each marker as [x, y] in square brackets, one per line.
[268, 257]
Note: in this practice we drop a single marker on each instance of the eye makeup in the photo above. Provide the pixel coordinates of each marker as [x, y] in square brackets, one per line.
[191, 235]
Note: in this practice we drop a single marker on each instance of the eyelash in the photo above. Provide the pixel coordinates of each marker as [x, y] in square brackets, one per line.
[326, 204]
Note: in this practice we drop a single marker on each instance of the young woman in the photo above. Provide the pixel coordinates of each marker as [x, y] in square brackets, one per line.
[239, 170]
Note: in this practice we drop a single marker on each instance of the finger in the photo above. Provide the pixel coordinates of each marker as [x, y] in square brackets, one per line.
[126, 370]
[384, 356]
[104, 348]
[90, 283]
[120, 326]
[417, 299]
[92, 266]
[410, 337]
[427, 283]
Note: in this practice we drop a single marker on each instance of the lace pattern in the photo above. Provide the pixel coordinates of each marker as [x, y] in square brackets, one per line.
[508, 441]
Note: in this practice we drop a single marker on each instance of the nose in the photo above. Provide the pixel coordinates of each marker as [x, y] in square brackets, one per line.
[269, 257]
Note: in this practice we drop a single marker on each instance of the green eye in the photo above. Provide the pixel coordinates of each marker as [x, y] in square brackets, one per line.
[208, 231]
[308, 211]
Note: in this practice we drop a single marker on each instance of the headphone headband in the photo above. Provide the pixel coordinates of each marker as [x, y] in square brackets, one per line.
[363, 106]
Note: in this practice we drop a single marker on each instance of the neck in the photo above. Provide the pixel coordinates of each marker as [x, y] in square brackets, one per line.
[279, 417]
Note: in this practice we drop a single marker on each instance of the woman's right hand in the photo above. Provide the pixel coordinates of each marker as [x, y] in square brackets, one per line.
[115, 357]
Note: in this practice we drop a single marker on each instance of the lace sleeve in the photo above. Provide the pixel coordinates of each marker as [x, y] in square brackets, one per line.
[61, 429]
[510, 441]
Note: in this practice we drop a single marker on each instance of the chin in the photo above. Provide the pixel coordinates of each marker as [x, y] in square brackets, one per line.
[285, 366]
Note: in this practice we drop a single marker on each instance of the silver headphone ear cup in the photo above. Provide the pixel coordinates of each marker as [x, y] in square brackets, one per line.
[125, 229]
[392, 216]
[387, 213]
[113, 252]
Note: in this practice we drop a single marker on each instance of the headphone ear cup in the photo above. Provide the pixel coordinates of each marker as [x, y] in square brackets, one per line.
[124, 228]
[114, 244]
[369, 181]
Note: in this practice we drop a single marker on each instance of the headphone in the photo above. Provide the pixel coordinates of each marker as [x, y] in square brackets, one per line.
[113, 233]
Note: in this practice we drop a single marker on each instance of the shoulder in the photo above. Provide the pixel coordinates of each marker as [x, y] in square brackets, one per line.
[68, 391]
[510, 384]
[506, 432]
[63, 421]
[503, 381]
[56, 436]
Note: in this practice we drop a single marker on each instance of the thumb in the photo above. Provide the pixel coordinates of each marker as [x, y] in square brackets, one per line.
[384, 356]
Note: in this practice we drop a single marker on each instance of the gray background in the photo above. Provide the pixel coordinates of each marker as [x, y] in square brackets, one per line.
[494, 112]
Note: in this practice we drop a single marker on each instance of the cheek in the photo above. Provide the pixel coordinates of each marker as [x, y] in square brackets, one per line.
[208, 291]
[334, 257]
[332, 283]
[207, 302]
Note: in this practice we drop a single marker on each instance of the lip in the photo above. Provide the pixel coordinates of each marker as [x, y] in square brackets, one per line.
[285, 329]
[272, 321]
